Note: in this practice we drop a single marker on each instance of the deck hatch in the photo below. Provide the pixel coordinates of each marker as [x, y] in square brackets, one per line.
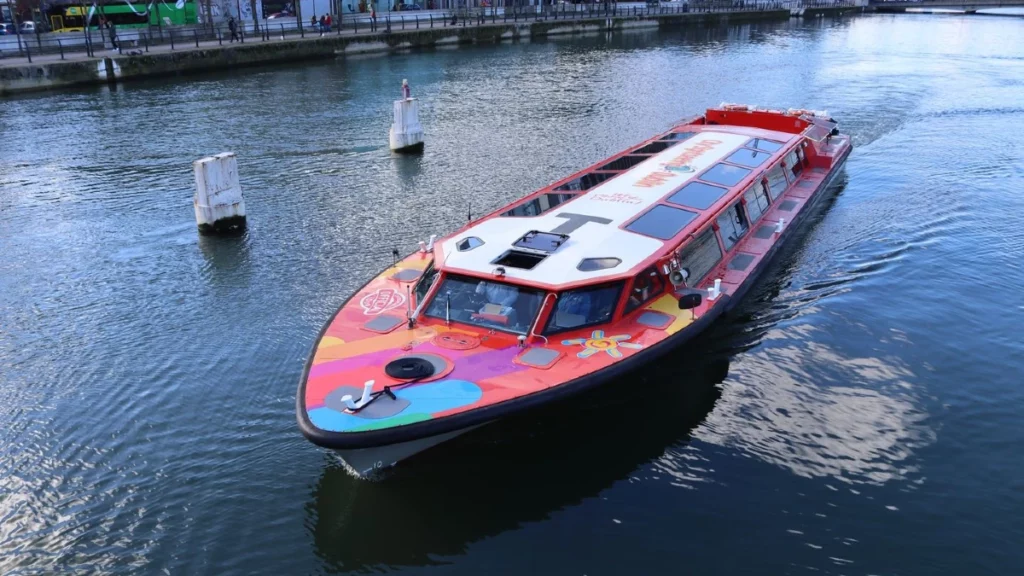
[539, 357]
[654, 319]
[541, 241]
[407, 275]
[764, 232]
[741, 261]
[519, 259]
[787, 205]
[662, 222]
[697, 195]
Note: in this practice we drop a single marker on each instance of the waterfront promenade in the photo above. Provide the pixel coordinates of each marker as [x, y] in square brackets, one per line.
[88, 61]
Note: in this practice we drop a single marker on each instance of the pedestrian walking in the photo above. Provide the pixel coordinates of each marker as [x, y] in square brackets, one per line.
[328, 22]
[113, 35]
[323, 24]
[373, 18]
[312, 21]
[233, 28]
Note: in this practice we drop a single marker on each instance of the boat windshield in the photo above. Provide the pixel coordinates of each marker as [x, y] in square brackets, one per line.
[486, 303]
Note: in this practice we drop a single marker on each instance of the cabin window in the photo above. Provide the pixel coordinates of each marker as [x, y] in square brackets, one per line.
[793, 163]
[662, 222]
[468, 243]
[699, 256]
[725, 174]
[539, 205]
[766, 145]
[732, 224]
[654, 147]
[749, 158]
[646, 286]
[756, 198]
[678, 136]
[697, 195]
[624, 163]
[584, 307]
[485, 303]
[585, 182]
[776, 181]
[594, 264]
[425, 282]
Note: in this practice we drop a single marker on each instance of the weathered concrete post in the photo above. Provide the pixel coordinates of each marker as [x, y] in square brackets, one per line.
[406, 134]
[218, 199]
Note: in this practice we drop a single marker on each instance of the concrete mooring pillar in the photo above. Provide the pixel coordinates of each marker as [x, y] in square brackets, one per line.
[406, 134]
[218, 199]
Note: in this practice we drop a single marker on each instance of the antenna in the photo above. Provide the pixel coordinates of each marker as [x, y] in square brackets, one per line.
[469, 211]
[447, 308]
[394, 257]
[408, 305]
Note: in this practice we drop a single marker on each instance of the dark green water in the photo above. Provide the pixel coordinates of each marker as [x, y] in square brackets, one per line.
[860, 415]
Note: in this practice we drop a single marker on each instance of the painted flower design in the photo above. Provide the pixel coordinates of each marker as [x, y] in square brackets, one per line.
[599, 342]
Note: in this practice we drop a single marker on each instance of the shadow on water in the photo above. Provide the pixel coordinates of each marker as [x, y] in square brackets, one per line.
[519, 470]
[408, 167]
[226, 256]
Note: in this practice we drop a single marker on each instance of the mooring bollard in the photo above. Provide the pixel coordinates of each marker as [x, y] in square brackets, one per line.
[218, 199]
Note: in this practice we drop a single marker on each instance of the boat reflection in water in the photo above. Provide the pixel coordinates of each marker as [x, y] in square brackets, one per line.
[518, 470]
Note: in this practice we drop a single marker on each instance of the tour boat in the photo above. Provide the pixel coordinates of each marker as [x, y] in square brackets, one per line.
[578, 283]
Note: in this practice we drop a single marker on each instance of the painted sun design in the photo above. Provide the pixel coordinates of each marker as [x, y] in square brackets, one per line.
[598, 342]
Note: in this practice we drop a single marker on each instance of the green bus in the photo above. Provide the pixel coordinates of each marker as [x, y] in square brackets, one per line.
[123, 14]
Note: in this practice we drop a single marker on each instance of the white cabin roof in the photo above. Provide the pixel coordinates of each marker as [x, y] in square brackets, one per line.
[619, 200]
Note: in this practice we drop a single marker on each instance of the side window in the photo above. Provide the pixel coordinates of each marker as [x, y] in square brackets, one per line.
[777, 181]
[733, 225]
[699, 256]
[584, 307]
[645, 286]
[423, 284]
[793, 163]
[757, 201]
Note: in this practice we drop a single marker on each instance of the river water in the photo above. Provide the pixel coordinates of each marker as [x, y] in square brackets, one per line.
[860, 415]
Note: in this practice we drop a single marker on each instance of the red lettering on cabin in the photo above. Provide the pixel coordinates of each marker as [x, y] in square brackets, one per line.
[698, 150]
[653, 179]
[381, 301]
[619, 197]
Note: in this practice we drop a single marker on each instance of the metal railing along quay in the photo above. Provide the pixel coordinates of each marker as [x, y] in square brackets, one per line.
[97, 43]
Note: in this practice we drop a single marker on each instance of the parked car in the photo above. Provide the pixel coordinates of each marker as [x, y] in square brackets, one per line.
[7, 29]
[28, 27]
[409, 6]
